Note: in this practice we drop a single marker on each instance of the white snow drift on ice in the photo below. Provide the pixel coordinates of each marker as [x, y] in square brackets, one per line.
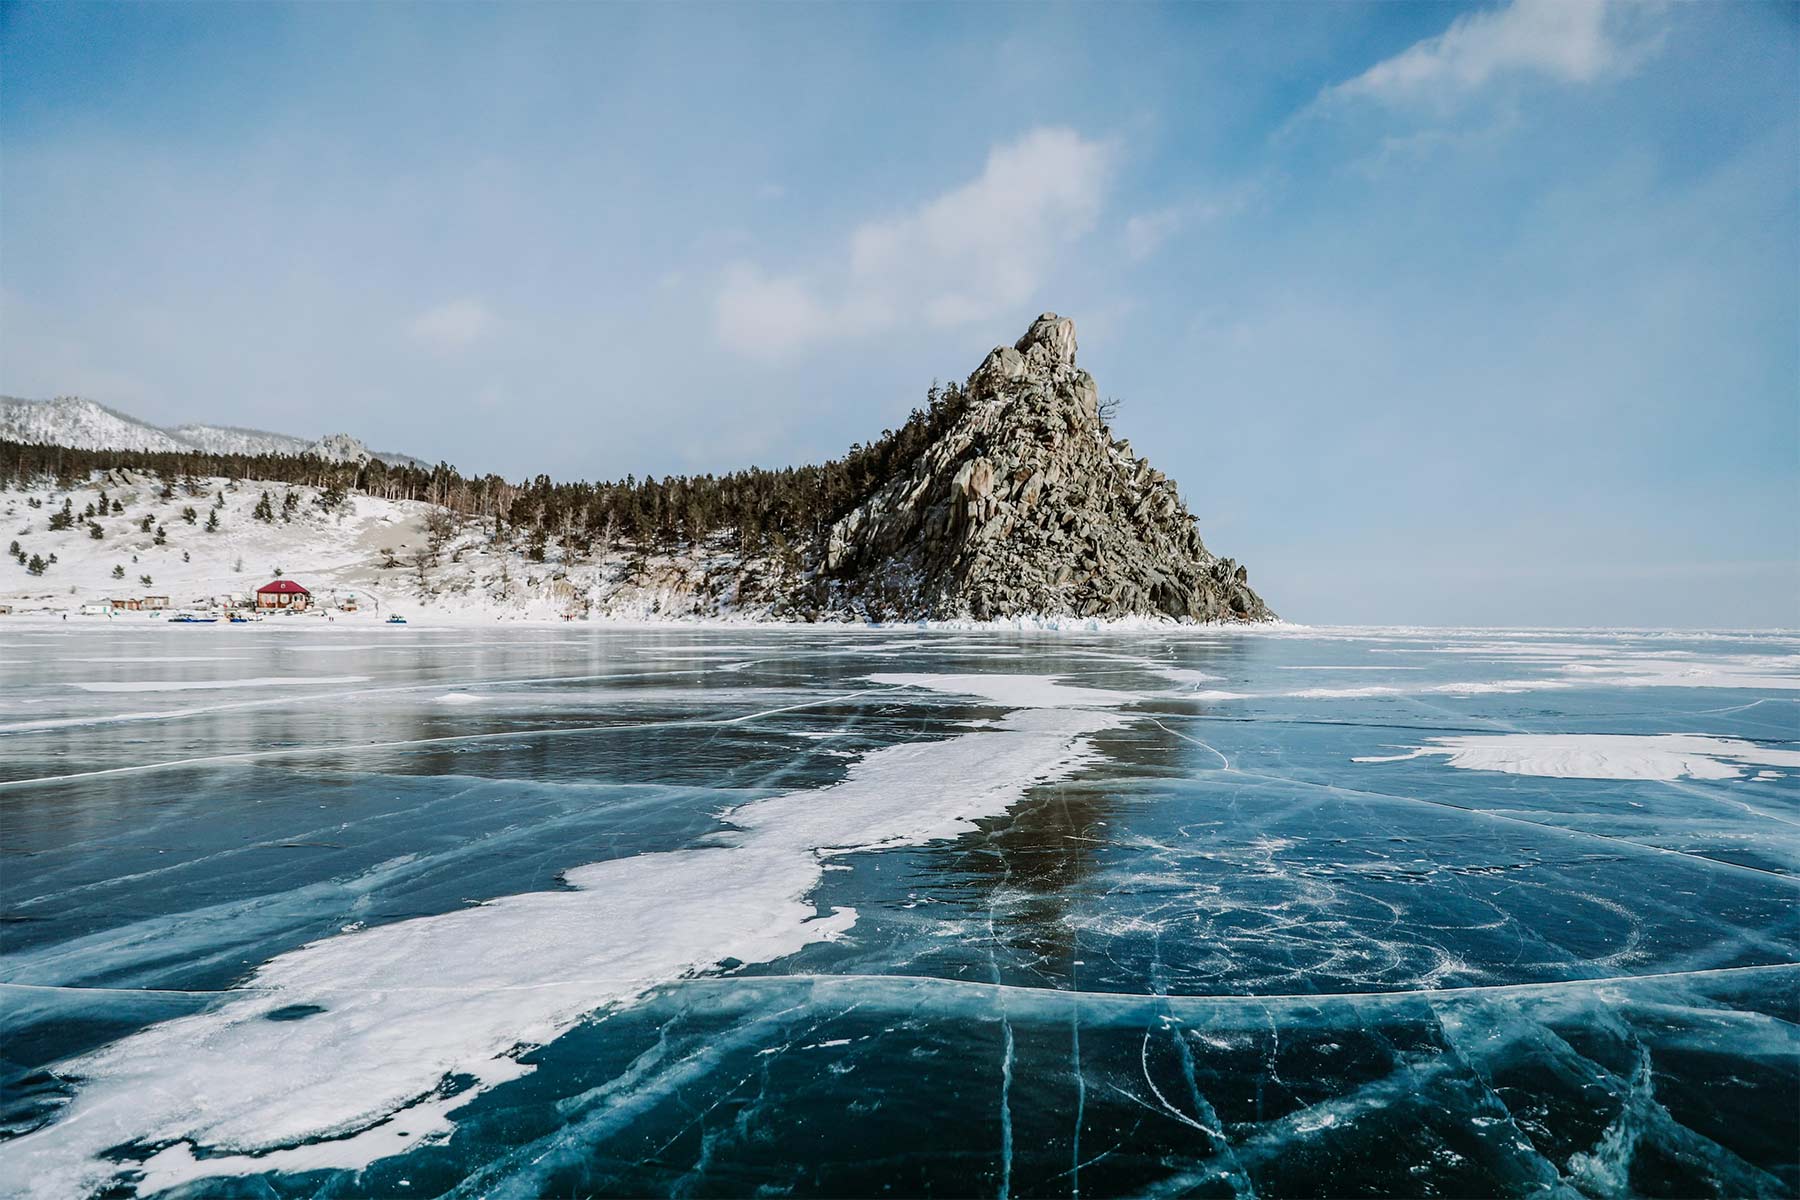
[404, 1007]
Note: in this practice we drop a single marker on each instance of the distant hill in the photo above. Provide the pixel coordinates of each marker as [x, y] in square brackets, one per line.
[87, 425]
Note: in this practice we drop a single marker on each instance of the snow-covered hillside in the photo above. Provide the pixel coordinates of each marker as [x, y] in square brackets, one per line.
[86, 425]
[229, 439]
[83, 424]
[385, 556]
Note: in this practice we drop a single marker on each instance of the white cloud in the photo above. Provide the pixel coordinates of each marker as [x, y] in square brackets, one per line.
[453, 326]
[970, 254]
[1146, 231]
[1575, 41]
[767, 316]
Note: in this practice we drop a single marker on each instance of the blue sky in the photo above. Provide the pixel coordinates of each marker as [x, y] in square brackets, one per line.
[1479, 314]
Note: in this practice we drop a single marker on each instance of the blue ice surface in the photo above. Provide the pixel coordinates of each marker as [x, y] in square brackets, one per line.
[1220, 958]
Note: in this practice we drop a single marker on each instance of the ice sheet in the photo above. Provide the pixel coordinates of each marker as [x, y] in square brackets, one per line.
[1052, 926]
[396, 1011]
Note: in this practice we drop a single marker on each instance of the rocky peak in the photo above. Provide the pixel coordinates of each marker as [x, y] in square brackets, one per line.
[1044, 358]
[1055, 334]
[340, 447]
[1027, 505]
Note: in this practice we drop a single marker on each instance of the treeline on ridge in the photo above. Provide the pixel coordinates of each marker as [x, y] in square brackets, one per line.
[783, 510]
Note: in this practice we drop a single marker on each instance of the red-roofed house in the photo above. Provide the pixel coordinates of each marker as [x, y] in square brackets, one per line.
[282, 593]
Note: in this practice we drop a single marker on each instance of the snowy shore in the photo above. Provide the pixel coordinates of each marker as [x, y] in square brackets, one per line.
[211, 543]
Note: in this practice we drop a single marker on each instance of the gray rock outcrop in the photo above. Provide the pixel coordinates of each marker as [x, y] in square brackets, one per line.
[340, 448]
[1027, 505]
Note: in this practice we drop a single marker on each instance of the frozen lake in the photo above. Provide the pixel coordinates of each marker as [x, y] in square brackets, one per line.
[408, 912]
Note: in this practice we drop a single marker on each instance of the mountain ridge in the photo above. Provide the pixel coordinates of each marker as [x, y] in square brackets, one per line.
[84, 424]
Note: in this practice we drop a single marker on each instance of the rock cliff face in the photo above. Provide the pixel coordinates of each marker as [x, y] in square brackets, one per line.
[1027, 505]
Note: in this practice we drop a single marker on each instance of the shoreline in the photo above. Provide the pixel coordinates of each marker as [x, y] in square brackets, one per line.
[486, 618]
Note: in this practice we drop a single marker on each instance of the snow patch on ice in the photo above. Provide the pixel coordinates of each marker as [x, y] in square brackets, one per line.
[1013, 691]
[922, 791]
[403, 1008]
[1351, 693]
[1752, 671]
[1192, 679]
[1601, 756]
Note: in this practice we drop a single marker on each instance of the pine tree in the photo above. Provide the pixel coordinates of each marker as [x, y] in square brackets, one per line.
[189, 515]
[94, 530]
[119, 571]
[162, 535]
[264, 510]
[212, 521]
[145, 580]
[36, 565]
[64, 518]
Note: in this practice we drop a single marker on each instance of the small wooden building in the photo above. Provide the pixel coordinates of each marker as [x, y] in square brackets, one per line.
[282, 593]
